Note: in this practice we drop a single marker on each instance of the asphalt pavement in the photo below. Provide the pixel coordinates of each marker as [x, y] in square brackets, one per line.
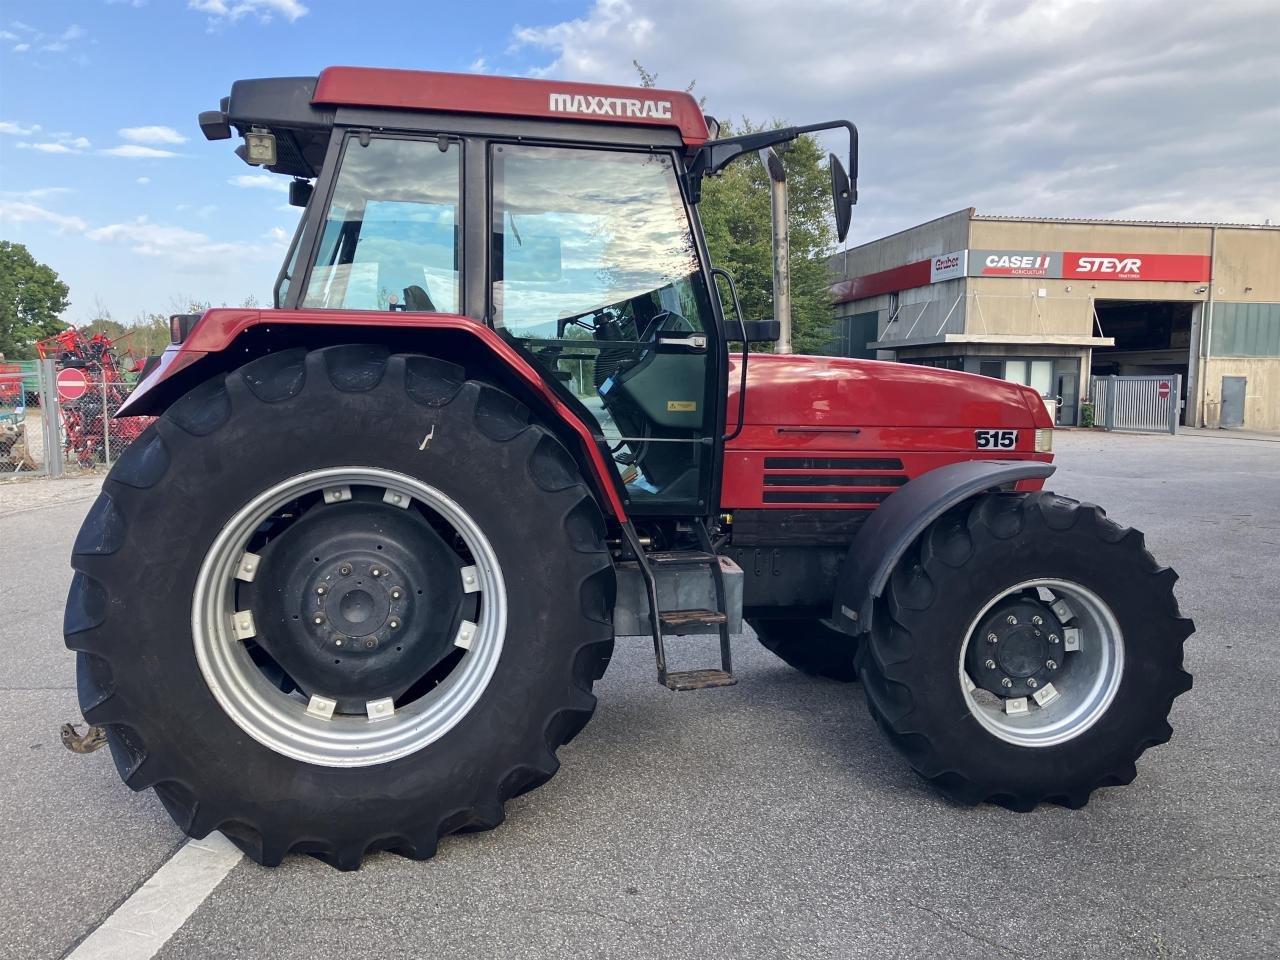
[769, 819]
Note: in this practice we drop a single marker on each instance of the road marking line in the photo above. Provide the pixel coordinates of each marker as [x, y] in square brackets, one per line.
[141, 925]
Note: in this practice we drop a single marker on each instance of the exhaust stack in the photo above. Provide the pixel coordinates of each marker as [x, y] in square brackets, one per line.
[781, 246]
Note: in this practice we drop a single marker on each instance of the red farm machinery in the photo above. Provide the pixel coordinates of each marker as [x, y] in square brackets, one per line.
[351, 589]
[86, 432]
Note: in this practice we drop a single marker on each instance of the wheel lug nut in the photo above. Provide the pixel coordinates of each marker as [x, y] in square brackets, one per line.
[395, 624]
[991, 664]
[322, 590]
[1032, 683]
[992, 638]
[1011, 620]
[1051, 664]
[1006, 682]
[1053, 638]
[1038, 620]
[370, 643]
[317, 619]
[377, 572]
[345, 570]
[337, 643]
[395, 593]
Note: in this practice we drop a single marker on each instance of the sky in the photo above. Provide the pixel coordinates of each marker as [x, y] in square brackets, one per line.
[1146, 110]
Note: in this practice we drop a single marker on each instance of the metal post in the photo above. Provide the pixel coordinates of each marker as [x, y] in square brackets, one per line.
[106, 419]
[781, 246]
[50, 418]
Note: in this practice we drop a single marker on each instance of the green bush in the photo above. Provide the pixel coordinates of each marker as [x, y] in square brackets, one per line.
[1086, 414]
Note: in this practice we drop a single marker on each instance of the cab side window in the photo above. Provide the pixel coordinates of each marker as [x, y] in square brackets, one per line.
[390, 238]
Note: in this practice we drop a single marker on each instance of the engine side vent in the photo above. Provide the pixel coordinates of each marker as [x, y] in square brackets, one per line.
[822, 496]
[832, 463]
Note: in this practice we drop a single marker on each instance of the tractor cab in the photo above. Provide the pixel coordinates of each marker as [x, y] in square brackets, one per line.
[563, 216]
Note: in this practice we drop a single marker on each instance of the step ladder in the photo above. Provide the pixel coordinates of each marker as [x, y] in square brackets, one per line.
[673, 620]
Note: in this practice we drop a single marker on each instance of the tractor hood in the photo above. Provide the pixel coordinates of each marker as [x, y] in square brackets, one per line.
[833, 392]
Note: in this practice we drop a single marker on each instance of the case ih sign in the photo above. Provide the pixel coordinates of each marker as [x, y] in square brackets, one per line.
[1089, 266]
[1044, 264]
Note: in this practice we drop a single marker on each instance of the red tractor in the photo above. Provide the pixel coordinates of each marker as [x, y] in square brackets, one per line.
[351, 590]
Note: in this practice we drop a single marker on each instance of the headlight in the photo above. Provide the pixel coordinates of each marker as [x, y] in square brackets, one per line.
[1044, 441]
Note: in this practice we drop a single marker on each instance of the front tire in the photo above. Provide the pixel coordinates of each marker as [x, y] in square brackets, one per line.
[1027, 649]
[445, 697]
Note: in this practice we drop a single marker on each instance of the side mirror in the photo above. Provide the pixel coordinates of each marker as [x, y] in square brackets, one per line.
[841, 196]
[760, 331]
[299, 192]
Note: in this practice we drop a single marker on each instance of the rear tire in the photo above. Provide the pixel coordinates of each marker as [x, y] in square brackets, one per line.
[811, 646]
[143, 552]
[1106, 699]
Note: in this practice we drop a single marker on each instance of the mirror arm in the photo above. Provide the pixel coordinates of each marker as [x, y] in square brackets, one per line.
[715, 155]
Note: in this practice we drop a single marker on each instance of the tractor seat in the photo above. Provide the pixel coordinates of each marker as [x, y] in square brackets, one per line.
[417, 300]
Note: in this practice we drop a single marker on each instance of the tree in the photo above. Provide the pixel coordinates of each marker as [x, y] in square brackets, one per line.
[737, 220]
[31, 299]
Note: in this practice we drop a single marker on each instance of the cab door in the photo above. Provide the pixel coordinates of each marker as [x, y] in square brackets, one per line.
[595, 272]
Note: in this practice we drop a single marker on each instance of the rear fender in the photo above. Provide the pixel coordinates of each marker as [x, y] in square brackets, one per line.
[224, 339]
[894, 525]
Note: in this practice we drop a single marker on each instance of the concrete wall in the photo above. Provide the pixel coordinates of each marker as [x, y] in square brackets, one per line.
[1262, 395]
[1247, 265]
[922, 307]
[1013, 306]
[942, 235]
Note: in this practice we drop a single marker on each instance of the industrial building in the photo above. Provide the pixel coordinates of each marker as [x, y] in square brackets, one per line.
[1052, 302]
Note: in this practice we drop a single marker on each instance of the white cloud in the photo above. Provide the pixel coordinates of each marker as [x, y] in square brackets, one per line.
[1070, 108]
[153, 134]
[144, 180]
[61, 143]
[134, 151]
[179, 245]
[479, 65]
[260, 181]
[20, 211]
[38, 193]
[6, 35]
[17, 129]
[264, 10]
[73, 32]
[21, 47]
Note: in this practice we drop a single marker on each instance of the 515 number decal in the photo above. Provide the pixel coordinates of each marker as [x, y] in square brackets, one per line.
[996, 439]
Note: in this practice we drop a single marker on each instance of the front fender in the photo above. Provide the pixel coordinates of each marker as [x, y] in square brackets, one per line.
[904, 515]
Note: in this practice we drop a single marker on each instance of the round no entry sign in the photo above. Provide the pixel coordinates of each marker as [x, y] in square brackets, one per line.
[1163, 390]
[72, 384]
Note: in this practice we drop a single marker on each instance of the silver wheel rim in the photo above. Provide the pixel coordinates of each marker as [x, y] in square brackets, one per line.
[1083, 686]
[284, 722]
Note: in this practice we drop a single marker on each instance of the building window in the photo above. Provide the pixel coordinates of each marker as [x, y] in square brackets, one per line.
[1033, 373]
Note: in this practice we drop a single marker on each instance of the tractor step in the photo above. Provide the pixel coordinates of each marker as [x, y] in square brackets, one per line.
[666, 558]
[685, 617]
[692, 618]
[699, 679]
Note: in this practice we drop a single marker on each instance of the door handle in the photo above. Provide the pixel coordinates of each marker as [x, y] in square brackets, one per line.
[693, 341]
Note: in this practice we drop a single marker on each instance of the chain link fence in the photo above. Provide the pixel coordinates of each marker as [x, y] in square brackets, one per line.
[61, 428]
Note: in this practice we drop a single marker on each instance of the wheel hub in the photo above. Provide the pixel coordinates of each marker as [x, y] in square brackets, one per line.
[358, 600]
[1017, 649]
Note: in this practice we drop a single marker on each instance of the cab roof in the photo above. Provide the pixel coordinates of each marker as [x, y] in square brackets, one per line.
[511, 96]
[302, 111]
